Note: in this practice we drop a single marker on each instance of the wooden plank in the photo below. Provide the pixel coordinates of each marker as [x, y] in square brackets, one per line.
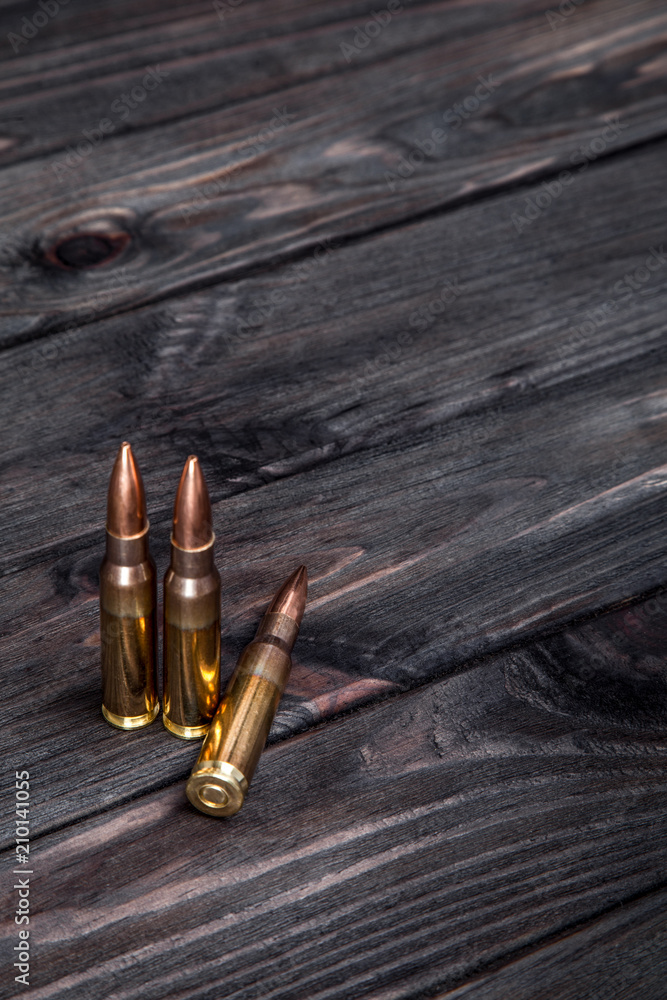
[497, 474]
[70, 73]
[401, 851]
[624, 954]
[123, 34]
[422, 336]
[108, 44]
[212, 195]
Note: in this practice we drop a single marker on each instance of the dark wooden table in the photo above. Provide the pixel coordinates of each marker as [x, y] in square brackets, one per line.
[397, 273]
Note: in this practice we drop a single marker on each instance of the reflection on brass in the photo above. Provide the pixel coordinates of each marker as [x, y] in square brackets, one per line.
[191, 613]
[236, 737]
[128, 602]
[131, 722]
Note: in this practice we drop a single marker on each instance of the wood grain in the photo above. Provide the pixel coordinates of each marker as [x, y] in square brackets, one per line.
[204, 197]
[622, 955]
[498, 474]
[272, 385]
[400, 852]
[208, 63]
[213, 62]
[442, 391]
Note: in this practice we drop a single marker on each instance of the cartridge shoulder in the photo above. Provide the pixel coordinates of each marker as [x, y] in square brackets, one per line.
[193, 587]
[270, 660]
[192, 602]
[128, 590]
[127, 577]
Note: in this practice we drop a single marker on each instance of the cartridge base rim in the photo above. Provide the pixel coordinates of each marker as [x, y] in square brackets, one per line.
[185, 732]
[131, 721]
[217, 788]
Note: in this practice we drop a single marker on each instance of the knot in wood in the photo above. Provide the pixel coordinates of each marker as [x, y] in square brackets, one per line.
[84, 250]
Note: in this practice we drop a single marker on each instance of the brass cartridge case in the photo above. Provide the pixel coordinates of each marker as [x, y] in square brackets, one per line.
[128, 601]
[191, 641]
[238, 732]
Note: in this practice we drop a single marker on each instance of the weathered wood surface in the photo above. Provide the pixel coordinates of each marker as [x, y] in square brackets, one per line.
[212, 62]
[399, 852]
[458, 423]
[623, 955]
[496, 473]
[194, 198]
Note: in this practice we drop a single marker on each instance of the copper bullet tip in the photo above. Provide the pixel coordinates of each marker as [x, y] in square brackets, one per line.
[126, 500]
[193, 520]
[291, 598]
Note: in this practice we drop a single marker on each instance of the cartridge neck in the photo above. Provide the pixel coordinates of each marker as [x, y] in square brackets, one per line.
[278, 626]
[130, 551]
[192, 563]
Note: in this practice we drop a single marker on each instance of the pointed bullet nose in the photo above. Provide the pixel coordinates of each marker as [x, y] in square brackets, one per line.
[193, 520]
[291, 598]
[126, 500]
